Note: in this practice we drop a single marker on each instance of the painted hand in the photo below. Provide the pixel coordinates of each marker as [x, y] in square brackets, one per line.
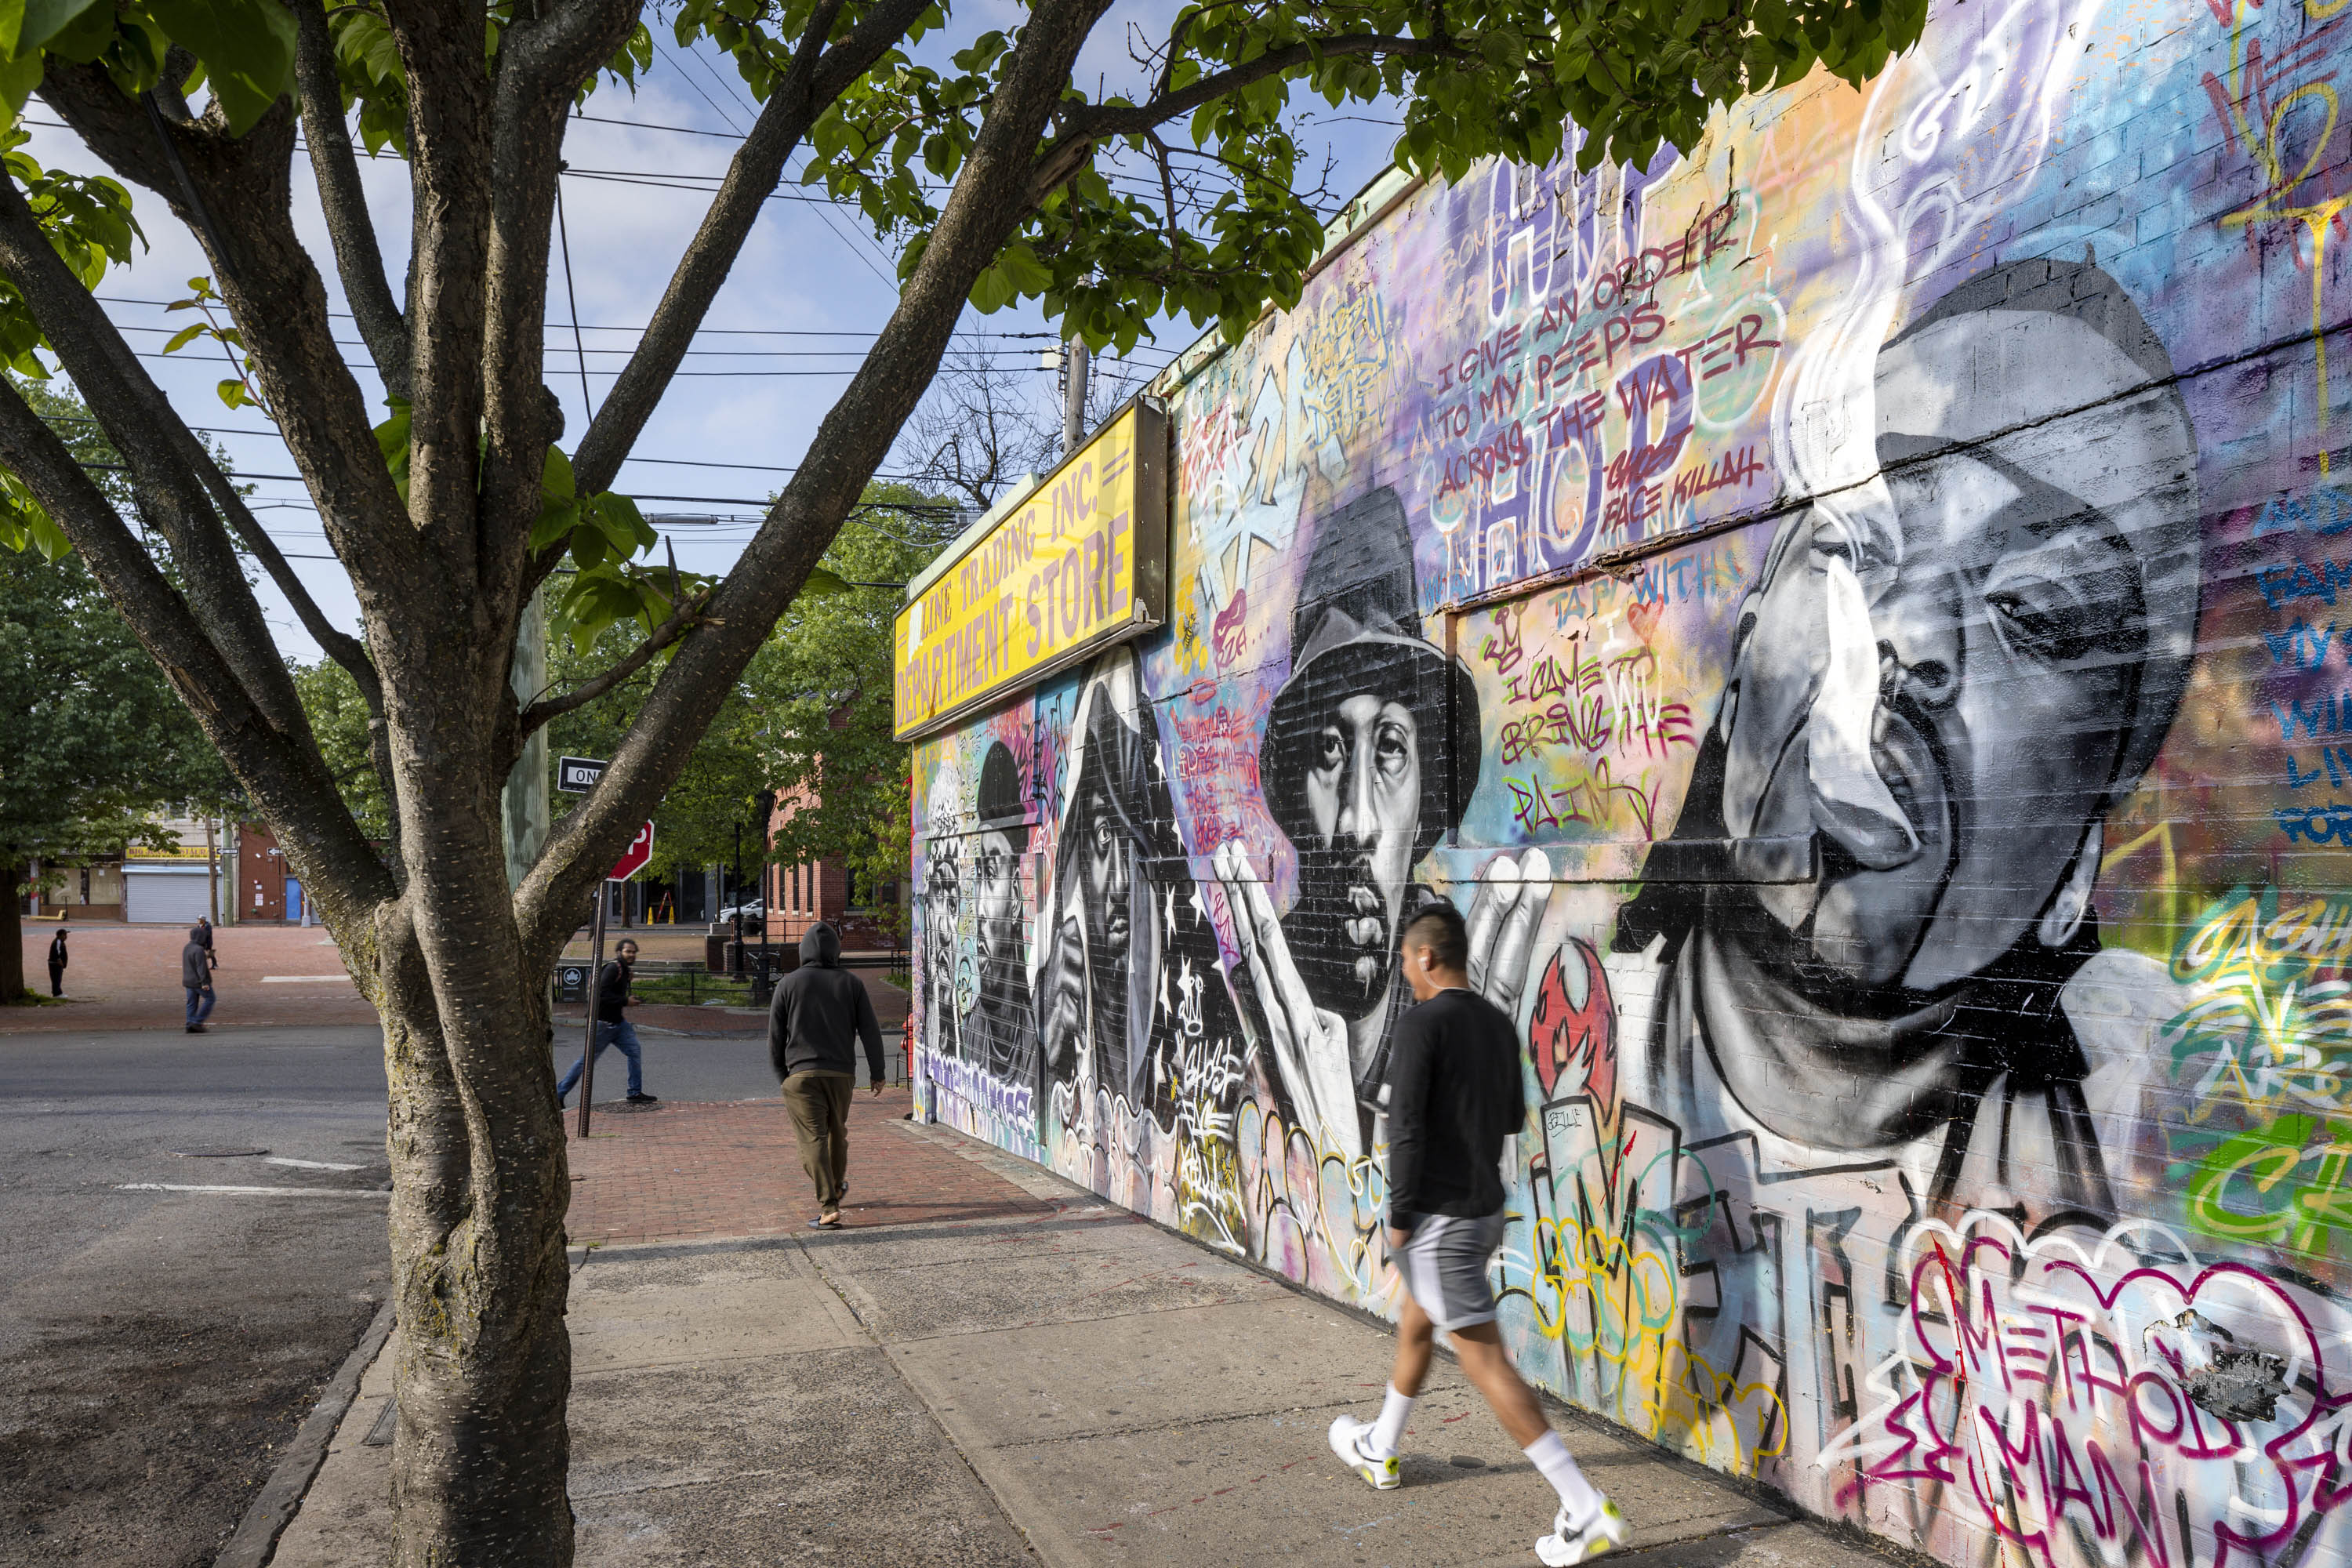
[1310, 1046]
[1504, 916]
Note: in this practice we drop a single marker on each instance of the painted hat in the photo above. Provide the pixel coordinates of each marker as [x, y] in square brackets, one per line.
[1000, 807]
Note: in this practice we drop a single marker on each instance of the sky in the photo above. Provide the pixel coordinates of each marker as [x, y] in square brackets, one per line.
[807, 296]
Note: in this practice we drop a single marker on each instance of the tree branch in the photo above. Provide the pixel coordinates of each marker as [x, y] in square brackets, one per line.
[587, 691]
[542, 65]
[359, 260]
[450, 172]
[807, 90]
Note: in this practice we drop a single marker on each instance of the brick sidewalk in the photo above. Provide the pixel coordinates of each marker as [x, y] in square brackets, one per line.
[128, 977]
[682, 1171]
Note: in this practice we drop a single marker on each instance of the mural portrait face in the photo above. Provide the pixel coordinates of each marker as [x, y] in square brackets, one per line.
[1107, 858]
[997, 893]
[996, 852]
[1947, 683]
[1362, 790]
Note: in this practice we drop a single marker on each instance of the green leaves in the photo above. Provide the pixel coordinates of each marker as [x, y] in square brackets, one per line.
[602, 534]
[23, 522]
[87, 221]
[27, 25]
[237, 391]
[246, 46]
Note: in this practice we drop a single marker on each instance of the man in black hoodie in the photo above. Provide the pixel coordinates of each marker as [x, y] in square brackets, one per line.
[817, 1010]
[196, 979]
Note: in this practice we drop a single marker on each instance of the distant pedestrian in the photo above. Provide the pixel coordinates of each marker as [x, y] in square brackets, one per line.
[205, 934]
[57, 962]
[196, 979]
[1454, 1094]
[819, 1011]
[612, 1026]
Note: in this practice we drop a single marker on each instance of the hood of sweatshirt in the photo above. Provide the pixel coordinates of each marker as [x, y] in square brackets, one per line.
[821, 945]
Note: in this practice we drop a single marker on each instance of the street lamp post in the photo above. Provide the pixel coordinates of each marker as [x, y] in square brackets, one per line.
[763, 988]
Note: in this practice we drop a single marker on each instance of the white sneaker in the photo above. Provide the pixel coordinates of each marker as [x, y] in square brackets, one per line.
[1568, 1545]
[1351, 1440]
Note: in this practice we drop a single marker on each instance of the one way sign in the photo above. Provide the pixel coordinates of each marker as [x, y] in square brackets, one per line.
[578, 775]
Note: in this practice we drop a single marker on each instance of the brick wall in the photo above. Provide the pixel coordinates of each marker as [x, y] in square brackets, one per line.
[1851, 614]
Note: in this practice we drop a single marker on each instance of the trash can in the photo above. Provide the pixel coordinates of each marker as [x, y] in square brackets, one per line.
[714, 954]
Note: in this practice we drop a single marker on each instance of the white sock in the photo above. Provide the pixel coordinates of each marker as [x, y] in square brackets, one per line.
[1578, 1499]
[1388, 1432]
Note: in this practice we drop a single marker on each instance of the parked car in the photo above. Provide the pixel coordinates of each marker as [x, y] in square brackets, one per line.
[754, 913]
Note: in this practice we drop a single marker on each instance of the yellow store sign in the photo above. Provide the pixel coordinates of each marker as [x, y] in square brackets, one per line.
[1081, 563]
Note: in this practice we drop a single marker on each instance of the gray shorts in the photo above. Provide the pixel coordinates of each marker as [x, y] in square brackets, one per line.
[1443, 1266]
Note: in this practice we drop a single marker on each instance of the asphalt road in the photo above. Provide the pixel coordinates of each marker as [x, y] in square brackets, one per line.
[156, 1347]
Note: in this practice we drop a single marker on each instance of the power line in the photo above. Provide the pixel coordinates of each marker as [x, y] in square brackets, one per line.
[704, 332]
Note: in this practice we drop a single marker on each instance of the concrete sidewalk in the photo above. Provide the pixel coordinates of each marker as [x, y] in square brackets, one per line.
[1061, 1382]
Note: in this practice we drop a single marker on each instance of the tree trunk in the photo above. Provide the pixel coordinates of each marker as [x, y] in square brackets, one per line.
[481, 1182]
[12, 934]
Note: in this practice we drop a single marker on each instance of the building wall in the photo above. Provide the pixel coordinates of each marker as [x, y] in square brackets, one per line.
[1852, 618]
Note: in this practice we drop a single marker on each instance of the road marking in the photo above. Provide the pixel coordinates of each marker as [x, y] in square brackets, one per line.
[254, 1192]
[304, 979]
[310, 1164]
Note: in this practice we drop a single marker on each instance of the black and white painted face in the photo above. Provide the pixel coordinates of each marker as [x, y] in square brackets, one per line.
[1363, 797]
[1939, 680]
[1107, 853]
[943, 896]
[998, 892]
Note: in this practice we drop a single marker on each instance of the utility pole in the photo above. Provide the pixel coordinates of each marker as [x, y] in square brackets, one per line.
[1074, 396]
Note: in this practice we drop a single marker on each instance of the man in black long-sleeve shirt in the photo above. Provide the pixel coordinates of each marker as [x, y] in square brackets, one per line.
[1455, 1093]
[818, 1010]
[612, 1026]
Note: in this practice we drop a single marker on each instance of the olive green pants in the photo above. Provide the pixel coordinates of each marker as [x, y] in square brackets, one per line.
[819, 1102]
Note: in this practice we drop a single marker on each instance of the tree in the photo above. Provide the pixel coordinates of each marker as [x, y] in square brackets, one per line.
[91, 737]
[981, 156]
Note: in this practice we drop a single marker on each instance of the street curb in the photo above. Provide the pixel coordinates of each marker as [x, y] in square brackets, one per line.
[255, 1536]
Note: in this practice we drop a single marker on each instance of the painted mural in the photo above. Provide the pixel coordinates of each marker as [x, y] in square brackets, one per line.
[1852, 617]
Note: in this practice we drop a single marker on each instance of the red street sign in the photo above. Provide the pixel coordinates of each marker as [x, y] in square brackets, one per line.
[632, 859]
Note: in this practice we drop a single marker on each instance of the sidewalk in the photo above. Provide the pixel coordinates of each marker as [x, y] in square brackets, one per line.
[1016, 1373]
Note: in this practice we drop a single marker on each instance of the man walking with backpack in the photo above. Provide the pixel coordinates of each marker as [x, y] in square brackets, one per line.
[1454, 1094]
[819, 1007]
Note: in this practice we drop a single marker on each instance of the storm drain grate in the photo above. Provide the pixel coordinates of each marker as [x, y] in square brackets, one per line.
[216, 1151]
